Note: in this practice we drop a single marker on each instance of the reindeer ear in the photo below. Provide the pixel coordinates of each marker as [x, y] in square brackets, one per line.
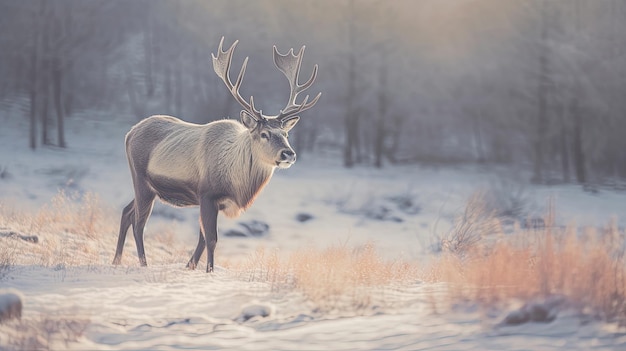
[248, 120]
[290, 123]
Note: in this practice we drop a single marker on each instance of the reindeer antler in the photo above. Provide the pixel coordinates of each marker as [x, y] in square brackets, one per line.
[221, 65]
[289, 64]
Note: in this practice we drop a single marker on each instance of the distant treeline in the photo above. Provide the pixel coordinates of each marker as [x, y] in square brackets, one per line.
[539, 84]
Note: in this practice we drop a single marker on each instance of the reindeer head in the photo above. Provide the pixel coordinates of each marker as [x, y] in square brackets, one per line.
[269, 133]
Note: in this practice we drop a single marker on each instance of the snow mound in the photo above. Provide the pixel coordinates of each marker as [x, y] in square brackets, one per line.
[247, 229]
[11, 302]
[255, 310]
[540, 311]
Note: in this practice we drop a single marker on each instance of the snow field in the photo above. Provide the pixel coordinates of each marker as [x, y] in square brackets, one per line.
[375, 265]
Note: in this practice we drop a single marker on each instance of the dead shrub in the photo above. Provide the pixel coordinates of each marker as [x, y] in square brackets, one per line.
[475, 223]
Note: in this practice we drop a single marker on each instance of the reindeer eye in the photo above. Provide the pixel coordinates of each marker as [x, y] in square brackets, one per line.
[265, 135]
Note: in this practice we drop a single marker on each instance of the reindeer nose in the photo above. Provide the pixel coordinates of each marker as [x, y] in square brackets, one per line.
[288, 156]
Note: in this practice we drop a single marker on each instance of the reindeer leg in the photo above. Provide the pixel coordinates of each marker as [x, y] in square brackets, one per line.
[208, 225]
[193, 261]
[127, 219]
[144, 200]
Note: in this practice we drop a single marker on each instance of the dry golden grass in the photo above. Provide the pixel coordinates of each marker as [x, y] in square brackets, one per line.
[71, 213]
[8, 253]
[76, 230]
[585, 265]
[478, 261]
[335, 278]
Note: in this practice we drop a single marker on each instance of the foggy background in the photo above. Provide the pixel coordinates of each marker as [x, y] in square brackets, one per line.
[535, 84]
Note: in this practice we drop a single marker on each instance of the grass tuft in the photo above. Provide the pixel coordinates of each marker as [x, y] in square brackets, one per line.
[335, 278]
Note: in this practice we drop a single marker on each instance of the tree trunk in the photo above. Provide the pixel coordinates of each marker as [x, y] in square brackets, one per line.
[56, 68]
[478, 137]
[168, 88]
[351, 119]
[563, 144]
[576, 111]
[68, 94]
[564, 157]
[541, 123]
[578, 151]
[147, 49]
[380, 132]
[392, 151]
[178, 90]
[45, 138]
[137, 108]
[33, 97]
[35, 58]
[57, 97]
[45, 87]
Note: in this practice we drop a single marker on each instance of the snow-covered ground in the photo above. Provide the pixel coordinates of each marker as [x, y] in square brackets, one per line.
[401, 210]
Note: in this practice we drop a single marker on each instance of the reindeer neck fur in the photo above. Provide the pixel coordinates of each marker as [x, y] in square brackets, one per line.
[247, 174]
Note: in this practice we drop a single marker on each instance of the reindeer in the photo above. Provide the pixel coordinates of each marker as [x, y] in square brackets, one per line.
[219, 166]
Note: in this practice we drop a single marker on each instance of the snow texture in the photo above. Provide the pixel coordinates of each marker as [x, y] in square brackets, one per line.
[164, 306]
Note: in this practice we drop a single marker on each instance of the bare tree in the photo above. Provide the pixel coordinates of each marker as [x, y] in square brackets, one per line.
[351, 118]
